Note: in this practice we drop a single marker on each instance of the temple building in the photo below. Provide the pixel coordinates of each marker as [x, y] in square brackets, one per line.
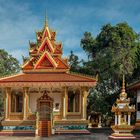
[46, 90]
[135, 89]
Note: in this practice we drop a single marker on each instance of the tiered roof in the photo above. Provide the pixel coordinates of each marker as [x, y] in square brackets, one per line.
[122, 104]
[45, 54]
[46, 66]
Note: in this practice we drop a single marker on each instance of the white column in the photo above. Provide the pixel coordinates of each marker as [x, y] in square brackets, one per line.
[125, 118]
[129, 119]
[119, 119]
[116, 119]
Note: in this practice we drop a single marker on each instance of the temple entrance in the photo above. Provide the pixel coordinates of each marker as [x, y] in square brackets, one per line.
[44, 115]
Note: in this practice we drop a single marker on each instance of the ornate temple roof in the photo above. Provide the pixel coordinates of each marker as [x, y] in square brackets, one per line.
[46, 64]
[28, 79]
[122, 104]
[45, 54]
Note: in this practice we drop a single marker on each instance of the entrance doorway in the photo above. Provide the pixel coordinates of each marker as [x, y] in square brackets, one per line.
[44, 109]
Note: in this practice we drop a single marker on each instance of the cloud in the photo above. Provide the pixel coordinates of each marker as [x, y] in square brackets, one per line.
[16, 27]
[19, 20]
[18, 53]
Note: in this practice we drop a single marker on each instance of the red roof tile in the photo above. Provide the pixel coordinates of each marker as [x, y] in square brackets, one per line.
[47, 77]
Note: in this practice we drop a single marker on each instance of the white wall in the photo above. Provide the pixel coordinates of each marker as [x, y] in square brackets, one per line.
[138, 100]
[33, 101]
[34, 96]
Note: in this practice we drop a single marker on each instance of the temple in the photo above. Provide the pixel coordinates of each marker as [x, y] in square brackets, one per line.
[46, 91]
[123, 114]
[135, 89]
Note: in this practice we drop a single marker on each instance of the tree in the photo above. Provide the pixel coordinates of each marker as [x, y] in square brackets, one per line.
[8, 65]
[112, 52]
[74, 62]
[136, 72]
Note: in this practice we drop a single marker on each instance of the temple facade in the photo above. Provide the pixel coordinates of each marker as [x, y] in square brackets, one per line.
[135, 89]
[45, 89]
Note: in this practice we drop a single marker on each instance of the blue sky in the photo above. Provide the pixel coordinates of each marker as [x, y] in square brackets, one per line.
[19, 19]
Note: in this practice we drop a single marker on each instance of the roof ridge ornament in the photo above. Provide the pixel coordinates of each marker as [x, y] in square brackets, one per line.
[46, 18]
[123, 94]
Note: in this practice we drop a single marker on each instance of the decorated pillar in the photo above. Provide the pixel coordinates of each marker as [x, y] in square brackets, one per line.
[116, 119]
[125, 118]
[119, 119]
[84, 103]
[129, 118]
[25, 102]
[7, 102]
[64, 103]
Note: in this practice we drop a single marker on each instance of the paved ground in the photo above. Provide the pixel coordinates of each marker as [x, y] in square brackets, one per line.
[96, 135]
[60, 137]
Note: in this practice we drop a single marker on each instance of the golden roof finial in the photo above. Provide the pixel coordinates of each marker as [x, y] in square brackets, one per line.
[123, 84]
[123, 94]
[46, 18]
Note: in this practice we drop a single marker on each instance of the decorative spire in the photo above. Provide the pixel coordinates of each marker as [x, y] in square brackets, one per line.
[46, 18]
[123, 84]
[123, 94]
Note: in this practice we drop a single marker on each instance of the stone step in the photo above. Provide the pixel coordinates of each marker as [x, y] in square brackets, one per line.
[17, 133]
[86, 132]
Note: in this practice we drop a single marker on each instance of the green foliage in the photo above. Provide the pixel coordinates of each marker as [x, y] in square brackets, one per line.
[87, 44]
[8, 64]
[136, 72]
[102, 97]
[74, 62]
[113, 52]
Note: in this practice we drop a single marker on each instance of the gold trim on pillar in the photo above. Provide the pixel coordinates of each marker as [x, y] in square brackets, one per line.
[65, 103]
[7, 102]
[25, 102]
[84, 102]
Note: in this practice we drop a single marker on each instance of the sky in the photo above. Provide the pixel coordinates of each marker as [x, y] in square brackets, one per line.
[19, 19]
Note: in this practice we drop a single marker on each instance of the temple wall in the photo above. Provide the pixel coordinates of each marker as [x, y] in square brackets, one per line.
[138, 100]
[57, 98]
[33, 101]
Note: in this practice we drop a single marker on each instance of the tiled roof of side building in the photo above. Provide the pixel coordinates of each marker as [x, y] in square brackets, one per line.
[134, 85]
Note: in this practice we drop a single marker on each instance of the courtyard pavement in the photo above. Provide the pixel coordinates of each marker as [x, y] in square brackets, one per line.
[95, 135]
[59, 137]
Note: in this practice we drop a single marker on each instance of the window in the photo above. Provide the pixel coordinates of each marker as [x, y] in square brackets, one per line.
[16, 102]
[56, 107]
[74, 101]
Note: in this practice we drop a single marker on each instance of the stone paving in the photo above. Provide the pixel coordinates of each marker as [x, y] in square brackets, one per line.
[93, 136]
[59, 137]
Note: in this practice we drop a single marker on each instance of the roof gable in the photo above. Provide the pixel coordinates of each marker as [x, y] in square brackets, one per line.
[45, 61]
[46, 45]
